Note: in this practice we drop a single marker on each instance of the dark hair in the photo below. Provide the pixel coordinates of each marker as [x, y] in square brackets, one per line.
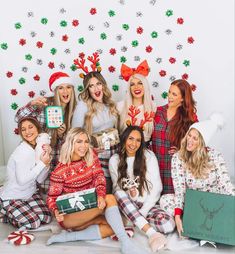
[185, 115]
[139, 166]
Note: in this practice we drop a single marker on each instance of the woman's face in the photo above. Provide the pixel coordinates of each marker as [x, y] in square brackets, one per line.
[133, 143]
[136, 88]
[174, 97]
[65, 93]
[29, 132]
[192, 140]
[81, 146]
[95, 88]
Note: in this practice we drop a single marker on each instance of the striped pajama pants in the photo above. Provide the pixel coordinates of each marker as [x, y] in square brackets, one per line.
[160, 220]
[28, 214]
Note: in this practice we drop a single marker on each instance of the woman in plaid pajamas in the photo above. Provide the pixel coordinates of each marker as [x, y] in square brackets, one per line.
[170, 125]
[61, 94]
[20, 202]
[137, 187]
[96, 112]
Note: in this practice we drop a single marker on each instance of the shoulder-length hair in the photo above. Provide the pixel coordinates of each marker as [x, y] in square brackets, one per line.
[197, 161]
[68, 112]
[185, 115]
[67, 148]
[147, 103]
[139, 166]
[92, 104]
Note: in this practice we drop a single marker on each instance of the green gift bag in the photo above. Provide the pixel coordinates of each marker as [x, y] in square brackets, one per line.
[77, 201]
[209, 216]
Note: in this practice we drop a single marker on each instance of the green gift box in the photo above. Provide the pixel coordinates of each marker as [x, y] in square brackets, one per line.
[209, 216]
[77, 201]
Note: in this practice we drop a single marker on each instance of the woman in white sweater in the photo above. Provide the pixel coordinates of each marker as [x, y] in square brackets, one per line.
[20, 203]
[137, 187]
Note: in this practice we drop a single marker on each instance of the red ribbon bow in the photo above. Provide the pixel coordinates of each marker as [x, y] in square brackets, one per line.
[142, 69]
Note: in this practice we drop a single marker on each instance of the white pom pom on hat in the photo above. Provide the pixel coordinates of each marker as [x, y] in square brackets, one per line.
[209, 127]
[20, 237]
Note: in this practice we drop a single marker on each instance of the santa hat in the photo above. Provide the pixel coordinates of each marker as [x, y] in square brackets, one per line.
[57, 79]
[209, 127]
[20, 237]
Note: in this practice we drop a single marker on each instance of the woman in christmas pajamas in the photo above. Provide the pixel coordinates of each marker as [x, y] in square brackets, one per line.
[137, 187]
[79, 169]
[198, 167]
[20, 202]
[171, 123]
[61, 94]
[96, 112]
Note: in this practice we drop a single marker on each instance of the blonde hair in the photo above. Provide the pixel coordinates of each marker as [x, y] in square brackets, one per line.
[67, 148]
[92, 104]
[68, 113]
[147, 103]
[197, 161]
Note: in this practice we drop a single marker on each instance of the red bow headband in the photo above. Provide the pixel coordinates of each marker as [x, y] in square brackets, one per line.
[142, 69]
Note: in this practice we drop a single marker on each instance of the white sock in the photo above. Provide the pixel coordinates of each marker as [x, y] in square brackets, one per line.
[150, 232]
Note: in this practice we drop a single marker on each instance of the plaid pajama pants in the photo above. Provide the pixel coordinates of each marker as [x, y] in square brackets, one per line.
[29, 214]
[160, 220]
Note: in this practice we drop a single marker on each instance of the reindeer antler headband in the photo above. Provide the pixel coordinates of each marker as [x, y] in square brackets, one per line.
[133, 112]
[80, 63]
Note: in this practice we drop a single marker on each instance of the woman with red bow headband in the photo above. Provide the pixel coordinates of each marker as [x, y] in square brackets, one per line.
[138, 94]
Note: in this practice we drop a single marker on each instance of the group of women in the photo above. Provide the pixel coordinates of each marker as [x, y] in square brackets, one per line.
[161, 153]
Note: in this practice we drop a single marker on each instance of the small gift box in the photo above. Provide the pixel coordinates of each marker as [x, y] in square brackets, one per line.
[105, 139]
[77, 201]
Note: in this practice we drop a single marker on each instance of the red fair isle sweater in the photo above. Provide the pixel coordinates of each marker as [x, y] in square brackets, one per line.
[74, 177]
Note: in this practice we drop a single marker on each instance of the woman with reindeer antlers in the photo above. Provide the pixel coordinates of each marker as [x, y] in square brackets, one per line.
[96, 111]
[198, 167]
[137, 184]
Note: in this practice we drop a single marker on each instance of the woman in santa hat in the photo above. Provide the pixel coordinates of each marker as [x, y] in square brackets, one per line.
[61, 94]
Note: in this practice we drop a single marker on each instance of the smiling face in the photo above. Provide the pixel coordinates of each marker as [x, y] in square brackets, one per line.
[81, 146]
[136, 88]
[133, 143]
[29, 132]
[65, 93]
[192, 140]
[174, 97]
[95, 88]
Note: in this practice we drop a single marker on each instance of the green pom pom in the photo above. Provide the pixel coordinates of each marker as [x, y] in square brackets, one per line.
[103, 36]
[164, 95]
[73, 67]
[154, 34]
[81, 40]
[80, 88]
[169, 13]
[134, 43]
[4, 46]
[111, 13]
[14, 106]
[123, 59]
[28, 57]
[22, 81]
[63, 23]
[125, 27]
[53, 51]
[186, 63]
[44, 21]
[115, 87]
[18, 25]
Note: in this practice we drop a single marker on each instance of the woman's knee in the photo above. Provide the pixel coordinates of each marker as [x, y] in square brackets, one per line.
[110, 200]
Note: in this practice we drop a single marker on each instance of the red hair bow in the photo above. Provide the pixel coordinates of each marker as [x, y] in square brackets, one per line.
[142, 69]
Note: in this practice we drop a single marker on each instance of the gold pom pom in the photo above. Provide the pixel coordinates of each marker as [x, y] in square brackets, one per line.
[81, 75]
[128, 122]
[99, 69]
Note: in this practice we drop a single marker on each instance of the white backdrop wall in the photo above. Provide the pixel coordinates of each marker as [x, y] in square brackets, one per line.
[210, 52]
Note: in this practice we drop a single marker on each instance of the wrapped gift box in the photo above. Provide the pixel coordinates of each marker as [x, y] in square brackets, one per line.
[209, 216]
[77, 201]
[105, 139]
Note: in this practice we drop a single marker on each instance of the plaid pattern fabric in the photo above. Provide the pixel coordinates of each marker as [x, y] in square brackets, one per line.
[157, 218]
[29, 214]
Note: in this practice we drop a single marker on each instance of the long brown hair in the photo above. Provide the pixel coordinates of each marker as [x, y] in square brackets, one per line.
[185, 115]
[139, 166]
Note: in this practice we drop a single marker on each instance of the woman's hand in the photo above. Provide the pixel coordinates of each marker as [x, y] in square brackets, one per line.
[133, 192]
[179, 225]
[172, 150]
[59, 216]
[61, 130]
[101, 203]
[39, 102]
[45, 158]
